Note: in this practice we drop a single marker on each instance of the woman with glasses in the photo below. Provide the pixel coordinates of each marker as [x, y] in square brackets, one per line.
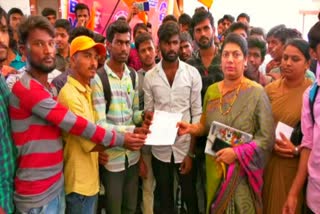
[234, 175]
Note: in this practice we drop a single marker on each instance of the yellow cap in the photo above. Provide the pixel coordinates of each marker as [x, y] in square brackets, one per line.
[82, 43]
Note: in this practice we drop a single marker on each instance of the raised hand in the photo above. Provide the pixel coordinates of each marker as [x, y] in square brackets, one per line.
[184, 128]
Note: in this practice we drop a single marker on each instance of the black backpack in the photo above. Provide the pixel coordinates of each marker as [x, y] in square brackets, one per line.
[106, 84]
[297, 135]
[312, 98]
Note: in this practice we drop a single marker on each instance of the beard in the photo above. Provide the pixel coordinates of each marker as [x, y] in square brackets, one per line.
[205, 45]
[41, 67]
[170, 56]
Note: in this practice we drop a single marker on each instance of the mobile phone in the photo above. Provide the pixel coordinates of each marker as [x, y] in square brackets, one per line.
[219, 144]
[142, 6]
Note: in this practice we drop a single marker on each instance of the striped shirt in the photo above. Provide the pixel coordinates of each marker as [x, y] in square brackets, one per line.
[7, 152]
[36, 121]
[122, 115]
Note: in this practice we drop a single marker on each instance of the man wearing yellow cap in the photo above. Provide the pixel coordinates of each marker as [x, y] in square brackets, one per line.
[80, 155]
[37, 120]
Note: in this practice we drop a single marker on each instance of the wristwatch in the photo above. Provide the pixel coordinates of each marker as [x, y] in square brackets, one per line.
[191, 155]
[296, 151]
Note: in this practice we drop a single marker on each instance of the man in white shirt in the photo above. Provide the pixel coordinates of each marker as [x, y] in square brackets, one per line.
[173, 86]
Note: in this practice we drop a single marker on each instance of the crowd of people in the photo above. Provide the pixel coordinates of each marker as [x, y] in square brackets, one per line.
[76, 108]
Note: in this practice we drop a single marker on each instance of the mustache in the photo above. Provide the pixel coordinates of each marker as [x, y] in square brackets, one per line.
[92, 68]
[204, 37]
[49, 57]
[172, 52]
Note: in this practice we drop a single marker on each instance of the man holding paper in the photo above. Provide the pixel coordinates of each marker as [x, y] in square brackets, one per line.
[174, 87]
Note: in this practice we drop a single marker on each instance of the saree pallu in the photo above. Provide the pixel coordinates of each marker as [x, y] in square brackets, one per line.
[251, 113]
[240, 190]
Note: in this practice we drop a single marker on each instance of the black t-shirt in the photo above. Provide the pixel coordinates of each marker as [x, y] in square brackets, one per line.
[209, 75]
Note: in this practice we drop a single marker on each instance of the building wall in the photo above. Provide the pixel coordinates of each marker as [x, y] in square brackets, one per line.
[33, 7]
[24, 5]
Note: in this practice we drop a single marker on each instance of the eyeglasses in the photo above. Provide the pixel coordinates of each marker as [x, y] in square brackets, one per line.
[234, 54]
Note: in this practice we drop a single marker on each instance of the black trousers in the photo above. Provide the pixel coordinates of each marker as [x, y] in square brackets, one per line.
[164, 175]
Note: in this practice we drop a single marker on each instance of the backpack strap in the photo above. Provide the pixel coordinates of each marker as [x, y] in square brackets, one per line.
[133, 77]
[106, 86]
[312, 98]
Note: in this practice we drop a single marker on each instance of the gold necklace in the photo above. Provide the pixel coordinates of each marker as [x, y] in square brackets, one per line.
[231, 104]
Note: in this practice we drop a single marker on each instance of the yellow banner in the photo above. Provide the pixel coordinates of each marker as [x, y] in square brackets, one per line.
[207, 3]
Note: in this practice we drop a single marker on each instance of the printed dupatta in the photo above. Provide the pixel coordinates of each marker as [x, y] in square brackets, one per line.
[249, 165]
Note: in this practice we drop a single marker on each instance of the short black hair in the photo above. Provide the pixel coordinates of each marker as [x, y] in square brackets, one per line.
[257, 31]
[283, 34]
[238, 25]
[81, 6]
[63, 23]
[220, 21]
[244, 15]
[99, 38]
[314, 35]
[184, 19]
[48, 12]
[274, 29]
[228, 17]
[200, 16]
[80, 31]
[123, 18]
[198, 9]
[185, 37]
[142, 38]
[137, 27]
[32, 23]
[14, 10]
[167, 30]
[254, 42]
[149, 25]
[168, 18]
[118, 26]
[236, 39]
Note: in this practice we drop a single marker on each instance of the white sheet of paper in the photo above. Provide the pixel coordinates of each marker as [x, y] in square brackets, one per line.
[163, 128]
[285, 129]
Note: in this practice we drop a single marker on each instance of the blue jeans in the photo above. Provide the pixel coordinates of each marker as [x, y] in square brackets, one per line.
[81, 204]
[55, 206]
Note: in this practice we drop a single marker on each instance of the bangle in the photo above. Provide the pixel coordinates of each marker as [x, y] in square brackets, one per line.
[191, 155]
